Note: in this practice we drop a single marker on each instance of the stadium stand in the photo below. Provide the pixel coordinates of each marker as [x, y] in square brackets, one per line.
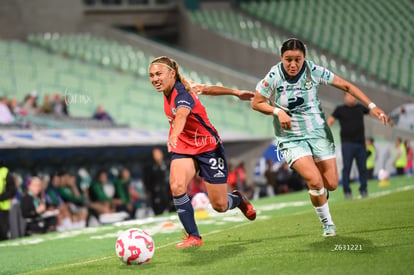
[240, 27]
[374, 36]
[86, 69]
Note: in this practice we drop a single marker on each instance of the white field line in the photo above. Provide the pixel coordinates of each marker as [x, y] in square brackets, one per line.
[373, 195]
[110, 257]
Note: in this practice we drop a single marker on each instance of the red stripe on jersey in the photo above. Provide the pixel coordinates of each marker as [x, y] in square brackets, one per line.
[199, 135]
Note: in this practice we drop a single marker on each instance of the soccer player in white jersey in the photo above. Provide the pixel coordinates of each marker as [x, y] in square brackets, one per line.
[289, 93]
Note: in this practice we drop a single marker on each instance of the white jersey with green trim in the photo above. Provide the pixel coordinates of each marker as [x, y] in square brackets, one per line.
[297, 97]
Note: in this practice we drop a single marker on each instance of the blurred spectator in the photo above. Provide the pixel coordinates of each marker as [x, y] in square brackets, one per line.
[55, 201]
[351, 120]
[30, 104]
[241, 177]
[33, 94]
[371, 157]
[84, 182]
[14, 107]
[7, 192]
[69, 191]
[73, 198]
[156, 182]
[6, 116]
[283, 177]
[18, 183]
[47, 107]
[232, 178]
[409, 167]
[196, 186]
[59, 105]
[122, 198]
[17, 222]
[270, 175]
[400, 156]
[141, 200]
[242, 182]
[34, 208]
[101, 193]
[101, 114]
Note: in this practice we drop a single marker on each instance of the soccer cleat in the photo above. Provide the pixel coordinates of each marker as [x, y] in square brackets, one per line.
[329, 230]
[190, 241]
[245, 206]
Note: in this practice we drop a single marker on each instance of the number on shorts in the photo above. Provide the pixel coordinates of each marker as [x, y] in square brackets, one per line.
[217, 163]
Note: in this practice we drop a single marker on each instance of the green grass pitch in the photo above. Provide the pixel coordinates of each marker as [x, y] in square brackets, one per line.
[374, 236]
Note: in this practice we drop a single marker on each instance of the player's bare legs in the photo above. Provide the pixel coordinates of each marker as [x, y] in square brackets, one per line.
[329, 173]
[217, 194]
[307, 168]
[310, 172]
[223, 201]
[182, 170]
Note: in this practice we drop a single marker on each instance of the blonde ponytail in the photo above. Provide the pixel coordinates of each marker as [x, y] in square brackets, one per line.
[181, 78]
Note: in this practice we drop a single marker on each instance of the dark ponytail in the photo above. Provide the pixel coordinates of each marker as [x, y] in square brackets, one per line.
[293, 44]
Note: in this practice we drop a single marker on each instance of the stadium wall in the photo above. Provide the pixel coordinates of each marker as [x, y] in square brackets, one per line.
[19, 17]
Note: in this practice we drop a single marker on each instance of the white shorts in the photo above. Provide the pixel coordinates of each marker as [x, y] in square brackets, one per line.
[319, 145]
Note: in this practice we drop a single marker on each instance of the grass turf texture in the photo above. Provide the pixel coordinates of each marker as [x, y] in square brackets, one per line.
[375, 236]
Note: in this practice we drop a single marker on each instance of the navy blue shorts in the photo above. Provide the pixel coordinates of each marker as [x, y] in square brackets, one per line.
[212, 165]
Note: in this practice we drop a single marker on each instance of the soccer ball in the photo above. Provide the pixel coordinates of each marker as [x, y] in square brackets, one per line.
[134, 246]
[200, 201]
[383, 175]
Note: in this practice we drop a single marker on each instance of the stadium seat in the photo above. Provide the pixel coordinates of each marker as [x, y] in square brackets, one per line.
[246, 30]
[368, 34]
[114, 75]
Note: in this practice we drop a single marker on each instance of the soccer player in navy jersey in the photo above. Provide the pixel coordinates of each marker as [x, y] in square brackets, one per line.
[195, 145]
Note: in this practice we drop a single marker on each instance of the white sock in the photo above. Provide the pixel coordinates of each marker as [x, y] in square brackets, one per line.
[60, 228]
[67, 223]
[79, 224]
[324, 214]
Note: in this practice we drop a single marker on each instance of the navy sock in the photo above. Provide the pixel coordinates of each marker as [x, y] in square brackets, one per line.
[186, 214]
[233, 201]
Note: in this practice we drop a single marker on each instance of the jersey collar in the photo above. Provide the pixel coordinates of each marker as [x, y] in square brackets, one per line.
[172, 89]
[297, 77]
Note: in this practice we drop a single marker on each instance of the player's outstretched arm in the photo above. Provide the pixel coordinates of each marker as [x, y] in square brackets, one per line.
[215, 90]
[348, 87]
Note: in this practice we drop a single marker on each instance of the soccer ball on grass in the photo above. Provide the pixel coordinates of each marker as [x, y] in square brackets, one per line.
[200, 201]
[134, 246]
[383, 177]
[383, 174]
